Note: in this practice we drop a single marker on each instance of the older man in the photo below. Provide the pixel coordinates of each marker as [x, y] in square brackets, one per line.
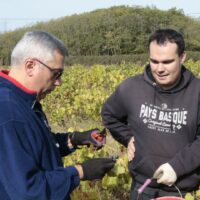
[30, 154]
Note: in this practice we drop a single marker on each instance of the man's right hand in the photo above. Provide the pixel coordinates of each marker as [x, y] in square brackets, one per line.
[165, 174]
[93, 137]
[96, 168]
[131, 149]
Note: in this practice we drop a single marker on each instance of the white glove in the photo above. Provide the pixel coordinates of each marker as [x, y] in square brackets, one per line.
[165, 174]
[131, 149]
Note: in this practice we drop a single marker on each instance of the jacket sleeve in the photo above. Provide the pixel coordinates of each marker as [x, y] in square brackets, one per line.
[114, 116]
[61, 139]
[188, 159]
[21, 171]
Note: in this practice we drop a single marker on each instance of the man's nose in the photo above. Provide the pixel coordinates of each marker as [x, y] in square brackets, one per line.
[58, 82]
[160, 67]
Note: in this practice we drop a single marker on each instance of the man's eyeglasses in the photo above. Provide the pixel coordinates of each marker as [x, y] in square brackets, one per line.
[57, 72]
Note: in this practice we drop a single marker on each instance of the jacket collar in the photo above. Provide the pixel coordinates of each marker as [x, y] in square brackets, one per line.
[27, 94]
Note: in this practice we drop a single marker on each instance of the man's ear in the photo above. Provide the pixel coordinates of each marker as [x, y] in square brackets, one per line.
[183, 57]
[30, 66]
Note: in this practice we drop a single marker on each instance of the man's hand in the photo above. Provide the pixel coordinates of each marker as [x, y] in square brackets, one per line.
[131, 149]
[165, 174]
[96, 168]
[92, 137]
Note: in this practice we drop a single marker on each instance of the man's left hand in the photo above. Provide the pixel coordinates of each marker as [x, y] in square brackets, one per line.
[131, 149]
[165, 174]
[93, 137]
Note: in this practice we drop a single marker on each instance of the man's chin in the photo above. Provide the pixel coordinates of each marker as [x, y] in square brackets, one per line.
[43, 95]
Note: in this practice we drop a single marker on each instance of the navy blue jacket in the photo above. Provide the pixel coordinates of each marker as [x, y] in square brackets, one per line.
[30, 155]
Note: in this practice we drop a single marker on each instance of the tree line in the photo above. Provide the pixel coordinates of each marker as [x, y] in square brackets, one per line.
[116, 31]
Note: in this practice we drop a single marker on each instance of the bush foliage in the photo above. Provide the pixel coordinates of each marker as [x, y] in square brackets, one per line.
[120, 30]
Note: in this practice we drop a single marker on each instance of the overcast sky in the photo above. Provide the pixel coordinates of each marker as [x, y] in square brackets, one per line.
[18, 13]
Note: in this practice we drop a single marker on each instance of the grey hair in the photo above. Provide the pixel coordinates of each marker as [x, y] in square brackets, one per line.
[38, 44]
